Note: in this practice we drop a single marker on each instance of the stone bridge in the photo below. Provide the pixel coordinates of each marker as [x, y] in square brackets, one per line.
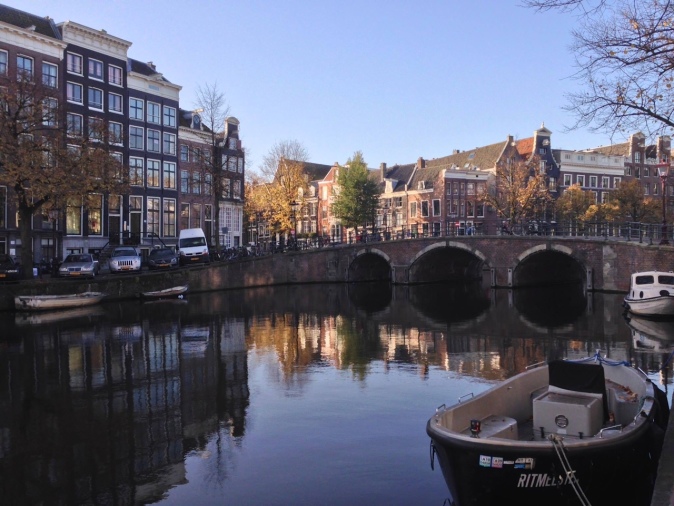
[499, 261]
[503, 261]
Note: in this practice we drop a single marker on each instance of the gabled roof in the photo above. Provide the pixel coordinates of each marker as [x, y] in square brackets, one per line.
[145, 69]
[483, 158]
[316, 171]
[622, 149]
[402, 174]
[42, 25]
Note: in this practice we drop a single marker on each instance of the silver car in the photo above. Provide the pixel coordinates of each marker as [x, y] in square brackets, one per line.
[124, 259]
[79, 265]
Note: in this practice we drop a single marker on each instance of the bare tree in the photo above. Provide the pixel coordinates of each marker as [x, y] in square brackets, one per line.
[214, 110]
[624, 52]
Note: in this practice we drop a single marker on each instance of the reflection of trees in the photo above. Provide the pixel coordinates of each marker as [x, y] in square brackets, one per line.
[360, 344]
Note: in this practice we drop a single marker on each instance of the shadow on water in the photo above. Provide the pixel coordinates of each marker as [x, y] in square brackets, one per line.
[449, 302]
[554, 306]
[370, 297]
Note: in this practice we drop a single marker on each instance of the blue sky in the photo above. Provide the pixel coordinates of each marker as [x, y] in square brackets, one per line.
[397, 80]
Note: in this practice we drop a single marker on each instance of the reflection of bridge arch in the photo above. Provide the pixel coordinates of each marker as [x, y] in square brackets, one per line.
[547, 264]
[447, 261]
[370, 264]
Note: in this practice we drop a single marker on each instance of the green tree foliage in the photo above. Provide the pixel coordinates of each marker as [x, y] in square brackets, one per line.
[358, 198]
[49, 160]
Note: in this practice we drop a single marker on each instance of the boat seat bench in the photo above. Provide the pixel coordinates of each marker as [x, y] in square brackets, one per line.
[497, 426]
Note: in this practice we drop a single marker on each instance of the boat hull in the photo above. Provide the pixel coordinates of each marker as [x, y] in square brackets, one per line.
[51, 302]
[518, 474]
[654, 306]
[176, 292]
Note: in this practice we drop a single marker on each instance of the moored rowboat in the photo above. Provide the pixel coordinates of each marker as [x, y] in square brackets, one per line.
[48, 302]
[175, 292]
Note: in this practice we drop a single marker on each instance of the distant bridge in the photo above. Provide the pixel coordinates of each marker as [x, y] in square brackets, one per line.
[602, 264]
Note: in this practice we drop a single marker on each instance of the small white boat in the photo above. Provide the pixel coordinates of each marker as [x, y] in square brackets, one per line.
[175, 292]
[562, 433]
[651, 294]
[48, 302]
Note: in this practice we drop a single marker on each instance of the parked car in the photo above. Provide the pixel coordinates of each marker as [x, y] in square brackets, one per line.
[162, 258]
[79, 265]
[124, 259]
[10, 269]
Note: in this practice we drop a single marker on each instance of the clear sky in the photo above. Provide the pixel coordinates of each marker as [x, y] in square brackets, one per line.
[395, 79]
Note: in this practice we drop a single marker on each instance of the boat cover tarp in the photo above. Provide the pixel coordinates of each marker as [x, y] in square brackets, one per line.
[579, 377]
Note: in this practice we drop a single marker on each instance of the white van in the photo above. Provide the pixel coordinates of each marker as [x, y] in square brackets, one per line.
[192, 246]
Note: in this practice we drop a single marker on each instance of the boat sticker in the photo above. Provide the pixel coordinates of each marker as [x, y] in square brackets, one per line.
[525, 463]
[485, 461]
[509, 462]
[497, 462]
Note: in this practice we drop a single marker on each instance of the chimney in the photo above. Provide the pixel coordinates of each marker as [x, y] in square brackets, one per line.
[382, 171]
[421, 163]
[151, 65]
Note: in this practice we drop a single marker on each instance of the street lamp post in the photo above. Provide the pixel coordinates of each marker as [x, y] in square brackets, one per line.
[663, 172]
[294, 207]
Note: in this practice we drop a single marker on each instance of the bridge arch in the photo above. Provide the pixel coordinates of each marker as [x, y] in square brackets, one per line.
[447, 261]
[370, 264]
[548, 264]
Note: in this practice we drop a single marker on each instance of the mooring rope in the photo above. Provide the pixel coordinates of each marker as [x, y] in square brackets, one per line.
[558, 445]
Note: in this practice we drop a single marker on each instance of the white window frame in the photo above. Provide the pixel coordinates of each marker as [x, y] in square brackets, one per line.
[580, 179]
[91, 103]
[136, 115]
[24, 71]
[74, 86]
[115, 97]
[153, 113]
[70, 116]
[74, 63]
[4, 62]
[169, 143]
[139, 133]
[153, 140]
[49, 79]
[112, 70]
[97, 65]
[155, 166]
[170, 116]
[117, 136]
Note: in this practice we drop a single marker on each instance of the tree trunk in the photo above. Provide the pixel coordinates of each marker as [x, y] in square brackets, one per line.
[25, 215]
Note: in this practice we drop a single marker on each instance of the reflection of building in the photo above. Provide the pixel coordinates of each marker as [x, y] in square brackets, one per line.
[112, 409]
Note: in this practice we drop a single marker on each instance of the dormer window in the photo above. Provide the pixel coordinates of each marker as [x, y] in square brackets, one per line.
[196, 122]
[421, 185]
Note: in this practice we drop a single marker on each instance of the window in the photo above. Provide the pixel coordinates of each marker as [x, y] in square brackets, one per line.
[196, 183]
[153, 113]
[136, 109]
[50, 111]
[135, 137]
[236, 189]
[136, 171]
[24, 67]
[49, 75]
[115, 102]
[153, 140]
[647, 172]
[95, 128]
[605, 181]
[637, 157]
[616, 182]
[424, 208]
[169, 212]
[470, 212]
[94, 212]
[567, 179]
[169, 175]
[3, 63]
[239, 165]
[169, 116]
[153, 173]
[74, 63]
[74, 124]
[95, 69]
[184, 153]
[184, 181]
[95, 99]
[436, 207]
[208, 184]
[413, 209]
[115, 75]
[74, 93]
[74, 216]
[580, 180]
[115, 132]
[169, 144]
[232, 143]
[542, 166]
[153, 216]
[647, 188]
[593, 181]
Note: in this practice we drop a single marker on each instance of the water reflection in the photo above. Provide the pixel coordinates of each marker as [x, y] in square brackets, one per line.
[110, 407]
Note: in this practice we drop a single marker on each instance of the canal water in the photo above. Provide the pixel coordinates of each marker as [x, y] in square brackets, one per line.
[295, 395]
